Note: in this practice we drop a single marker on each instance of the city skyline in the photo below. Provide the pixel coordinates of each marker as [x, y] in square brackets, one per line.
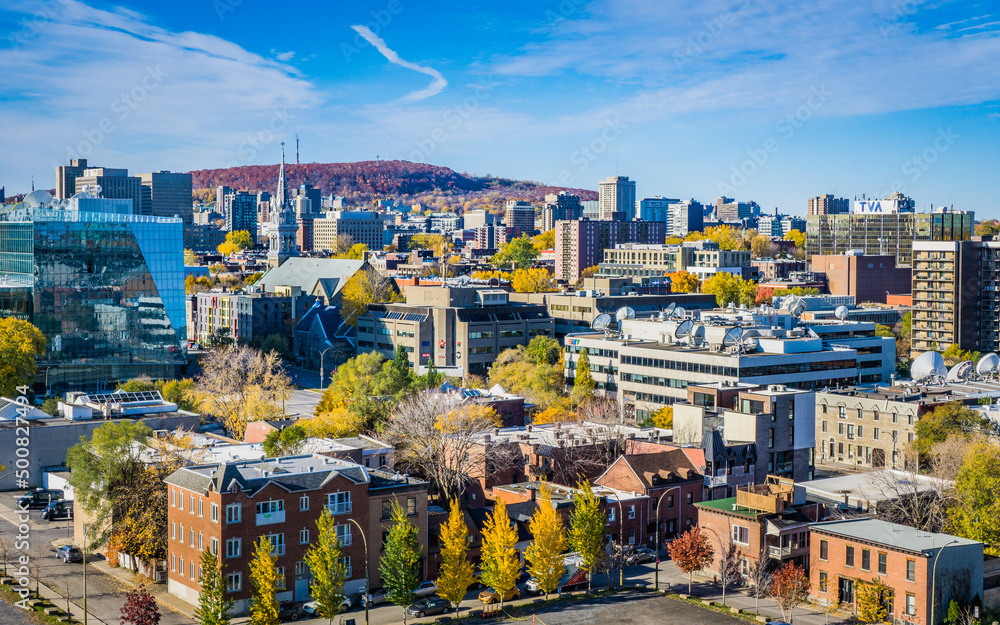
[773, 103]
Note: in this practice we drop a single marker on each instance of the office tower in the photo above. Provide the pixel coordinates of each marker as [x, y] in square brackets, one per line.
[828, 205]
[478, 218]
[729, 210]
[66, 176]
[104, 285]
[655, 209]
[362, 226]
[282, 229]
[617, 198]
[580, 244]
[240, 210]
[789, 223]
[520, 214]
[560, 207]
[263, 207]
[770, 226]
[115, 184]
[167, 194]
[684, 218]
[314, 195]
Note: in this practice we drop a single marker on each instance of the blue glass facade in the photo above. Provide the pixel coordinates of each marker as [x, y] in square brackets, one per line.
[106, 289]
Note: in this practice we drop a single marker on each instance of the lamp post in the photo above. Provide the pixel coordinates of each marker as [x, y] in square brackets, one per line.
[934, 579]
[365, 541]
[656, 577]
[621, 541]
[322, 354]
[98, 520]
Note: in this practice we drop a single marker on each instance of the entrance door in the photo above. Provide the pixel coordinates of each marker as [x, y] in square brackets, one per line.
[302, 589]
[846, 590]
[878, 458]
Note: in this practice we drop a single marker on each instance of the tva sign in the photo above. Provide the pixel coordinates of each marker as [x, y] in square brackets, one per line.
[869, 207]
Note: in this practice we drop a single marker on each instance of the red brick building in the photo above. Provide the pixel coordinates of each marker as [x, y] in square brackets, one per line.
[228, 507]
[846, 552]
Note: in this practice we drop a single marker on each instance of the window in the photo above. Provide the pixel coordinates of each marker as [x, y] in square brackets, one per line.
[824, 426]
[215, 512]
[200, 547]
[822, 581]
[631, 512]
[343, 534]
[911, 605]
[173, 562]
[386, 510]
[233, 547]
[173, 530]
[824, 550]
[173, 498]
[214, 545]
[338, 503]
[346, 563]
[304, 502]
[180, 535]
[278, 543]
[191, 504]
[866, 560]
[180, 569]
[201, 507]
[881, 563]
[770, 437]
[911, 570]
[191, 537]
[849, 556]
[270, 507]
[670, 501]
[741, 535]
[631, 537]
[280, 570]
[233, 513]
[690, 498]
[875, 433]
[234, 582]
[303, 537]
[611, 514]
[411, 506]
[300, 567]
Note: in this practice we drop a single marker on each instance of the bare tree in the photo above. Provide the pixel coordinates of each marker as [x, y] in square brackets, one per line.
[439, 436]
[729, 566]
[759, 579]
[6, 550]
[595, 443]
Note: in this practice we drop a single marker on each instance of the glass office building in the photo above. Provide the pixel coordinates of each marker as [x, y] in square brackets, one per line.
[106, 289]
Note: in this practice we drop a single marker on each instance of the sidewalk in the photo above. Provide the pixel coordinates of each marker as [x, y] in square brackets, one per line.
[159, 591]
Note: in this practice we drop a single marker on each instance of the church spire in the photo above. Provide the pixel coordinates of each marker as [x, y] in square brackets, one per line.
[280, 199]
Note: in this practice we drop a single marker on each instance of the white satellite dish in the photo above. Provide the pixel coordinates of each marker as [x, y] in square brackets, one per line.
[928, 365]
[670, 307]
[732, 337]
[679, 312]
[959, 371]
[840, 313]
[625, 312]
[601, 323]
[750, 340]
[684, 329]
[988, 364]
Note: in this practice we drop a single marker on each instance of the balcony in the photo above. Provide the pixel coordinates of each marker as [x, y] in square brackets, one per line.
[339, 508]
[777, 553]
[270, 518]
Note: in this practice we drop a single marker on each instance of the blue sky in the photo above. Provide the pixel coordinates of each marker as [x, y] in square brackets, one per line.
[768, 101]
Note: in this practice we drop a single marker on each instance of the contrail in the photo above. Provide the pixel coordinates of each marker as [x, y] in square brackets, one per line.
[438, 82]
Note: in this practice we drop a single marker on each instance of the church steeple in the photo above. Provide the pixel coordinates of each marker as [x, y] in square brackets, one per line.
[280, 197]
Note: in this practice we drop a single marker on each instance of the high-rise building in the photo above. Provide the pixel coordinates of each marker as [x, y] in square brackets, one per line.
[315, 197]
[828, 205]
[478, 218]
[66, 176]
[362, 226]
[684, 218]
[617, 198]
[560, 207]
[789, 223]
[240, 210]
[520, 214]
[729, 210]
[167, 194]
[115, 184]
[110, 312]
[580, 244]
[654, 209]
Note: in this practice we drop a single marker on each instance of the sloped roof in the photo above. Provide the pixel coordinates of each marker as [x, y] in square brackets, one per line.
[325, 276]
[716, 449]
[663, 464]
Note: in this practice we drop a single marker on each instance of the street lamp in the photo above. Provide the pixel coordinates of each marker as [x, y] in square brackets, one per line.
[321, 356]
[365, 541]
[656, 578]
[621, 541]
[98, 520]
[934, 578]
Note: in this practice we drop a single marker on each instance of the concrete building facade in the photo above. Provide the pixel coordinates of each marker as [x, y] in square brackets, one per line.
[866, 278]
[581, 244]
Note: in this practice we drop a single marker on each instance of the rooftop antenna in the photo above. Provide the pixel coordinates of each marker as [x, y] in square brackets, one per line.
[32, 182]
[296, 148]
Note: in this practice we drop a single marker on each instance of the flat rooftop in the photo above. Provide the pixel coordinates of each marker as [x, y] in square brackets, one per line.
[870, 486]
[901, 537]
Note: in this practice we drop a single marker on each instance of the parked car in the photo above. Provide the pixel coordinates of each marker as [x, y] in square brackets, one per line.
[427, 606]
[573, 576]
[491, 596]
[312, 610]
[426, 589]
[288, 611]
[38, 498]
[643, 554]
[69, 553]
[375, 598]
[61, 509]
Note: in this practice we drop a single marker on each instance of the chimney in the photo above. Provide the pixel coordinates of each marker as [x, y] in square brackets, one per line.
[532, 493]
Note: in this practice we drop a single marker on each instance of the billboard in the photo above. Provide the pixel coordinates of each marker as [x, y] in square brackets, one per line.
[880, 207]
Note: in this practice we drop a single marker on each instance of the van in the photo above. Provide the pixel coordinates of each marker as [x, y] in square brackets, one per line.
[38, 498]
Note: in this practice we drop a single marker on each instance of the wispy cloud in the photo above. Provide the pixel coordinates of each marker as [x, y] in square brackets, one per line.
[284, 56]
[438, 82]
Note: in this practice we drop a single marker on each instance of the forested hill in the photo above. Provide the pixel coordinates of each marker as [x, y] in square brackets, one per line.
[371, 180]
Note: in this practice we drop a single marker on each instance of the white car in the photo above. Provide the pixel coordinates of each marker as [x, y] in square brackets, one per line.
[426, 589]
[312, 609]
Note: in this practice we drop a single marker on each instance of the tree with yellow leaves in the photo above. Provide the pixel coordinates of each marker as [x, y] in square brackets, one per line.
[500, 563]
[554, 414]
[727, 237]
[533, 281]
[663, 418]
[438, 243]
[545, 553]
[20, 344]
[456, 574]
[236, 241]
[545, 240]
[364, 288]
[326, 563]
[264, 580]
[797, 237]
[684, 282]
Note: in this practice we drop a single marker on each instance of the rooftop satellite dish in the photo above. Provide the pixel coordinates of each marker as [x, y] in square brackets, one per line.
[679, 312]
[960, 371]
[670, 307]
[732, 337]
[38, 198]
[601, 323]
[797, 308]
[731, 306]
[625, 312]
[750, 340]
[684, 329]
[988, 364]
[840, 313]
[928, 365]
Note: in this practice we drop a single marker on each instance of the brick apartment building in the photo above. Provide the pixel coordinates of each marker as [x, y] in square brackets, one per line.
[904, 558]
[228, 507]
[869, 278]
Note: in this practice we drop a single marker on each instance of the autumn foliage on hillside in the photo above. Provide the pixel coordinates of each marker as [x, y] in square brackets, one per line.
[370, 180]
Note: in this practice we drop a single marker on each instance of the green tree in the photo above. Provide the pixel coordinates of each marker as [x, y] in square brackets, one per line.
[944, 421]
[50, 406]
[456, 574]
[400, 564]
[545, 350]
[583, 384]
[264, 580]
[287, 441]
[976, 513]
[500, 563]
[20, 344]
[547, 549]
[519, 253]
[884, 331]
[213, 607]
[326, 563]
[180, 392]
[136, 385]
[587, 529]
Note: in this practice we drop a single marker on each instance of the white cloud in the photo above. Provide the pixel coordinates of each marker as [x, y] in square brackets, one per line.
[438, 82]
[285, 56]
